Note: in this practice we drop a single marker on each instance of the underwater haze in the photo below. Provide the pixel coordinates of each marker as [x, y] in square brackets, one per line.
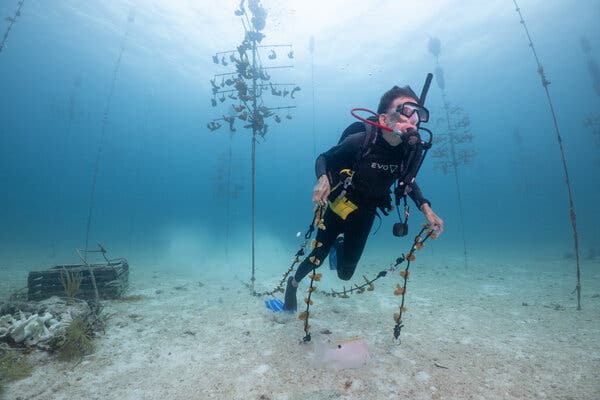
[157, 184]
[105, 137]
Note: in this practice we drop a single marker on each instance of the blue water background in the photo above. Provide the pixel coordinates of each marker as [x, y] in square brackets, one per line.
[159, 199]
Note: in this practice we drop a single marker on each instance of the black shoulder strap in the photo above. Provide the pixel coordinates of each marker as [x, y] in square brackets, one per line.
[370, 138]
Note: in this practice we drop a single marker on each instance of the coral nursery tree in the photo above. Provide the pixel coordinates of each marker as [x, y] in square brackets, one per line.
[243, 91]
[593, 120]
[452, 148]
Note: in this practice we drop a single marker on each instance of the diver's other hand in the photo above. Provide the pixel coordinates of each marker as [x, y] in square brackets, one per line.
[435, 222]
[321, 191]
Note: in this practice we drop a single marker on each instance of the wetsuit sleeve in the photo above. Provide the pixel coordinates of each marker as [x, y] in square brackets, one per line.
[341, 156]
[417, 196]
[321, 166]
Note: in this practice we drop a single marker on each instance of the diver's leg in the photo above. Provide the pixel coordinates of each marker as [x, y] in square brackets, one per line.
[357, 229]
[290, 303]
[335, 253]
[333, 225]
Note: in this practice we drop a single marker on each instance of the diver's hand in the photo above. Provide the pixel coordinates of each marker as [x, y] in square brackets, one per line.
[435, 222]
[321, 191]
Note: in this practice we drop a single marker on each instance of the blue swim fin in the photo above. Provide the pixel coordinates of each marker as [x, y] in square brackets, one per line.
[274, 305]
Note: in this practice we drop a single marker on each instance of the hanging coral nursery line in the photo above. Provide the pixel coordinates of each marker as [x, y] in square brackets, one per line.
[107, 108]
[400, 289]
[545, 83]
[11, 22]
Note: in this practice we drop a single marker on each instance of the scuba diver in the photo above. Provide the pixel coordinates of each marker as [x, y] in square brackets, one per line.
[354, 181]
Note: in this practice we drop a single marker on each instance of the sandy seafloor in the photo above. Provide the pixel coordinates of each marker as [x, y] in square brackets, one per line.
[496, 331]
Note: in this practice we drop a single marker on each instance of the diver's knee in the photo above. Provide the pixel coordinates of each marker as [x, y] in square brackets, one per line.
[345, 274]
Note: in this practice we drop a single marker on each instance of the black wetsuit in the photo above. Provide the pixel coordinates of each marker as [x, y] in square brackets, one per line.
[376, 170]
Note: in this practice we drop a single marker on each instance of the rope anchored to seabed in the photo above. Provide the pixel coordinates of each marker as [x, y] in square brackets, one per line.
[400, 290]
[418, 243]
[316, 221]
[545, 83]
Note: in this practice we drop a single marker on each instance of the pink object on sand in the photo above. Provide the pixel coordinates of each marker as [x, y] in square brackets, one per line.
[352, 353]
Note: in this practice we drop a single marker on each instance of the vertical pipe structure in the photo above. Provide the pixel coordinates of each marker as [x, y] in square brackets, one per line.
[456, 179]
[592, 64]
[62, 151]
[246, 87]
[593, 120]
[545, 83]
[130, 20]
[227, 201]
[11, 22]
[435, 48]
[254, 128]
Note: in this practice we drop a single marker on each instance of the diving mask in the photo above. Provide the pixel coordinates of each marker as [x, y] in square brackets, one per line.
[409, 108]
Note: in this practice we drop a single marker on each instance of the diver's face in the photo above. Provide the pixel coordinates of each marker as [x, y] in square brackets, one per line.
[397, 121]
